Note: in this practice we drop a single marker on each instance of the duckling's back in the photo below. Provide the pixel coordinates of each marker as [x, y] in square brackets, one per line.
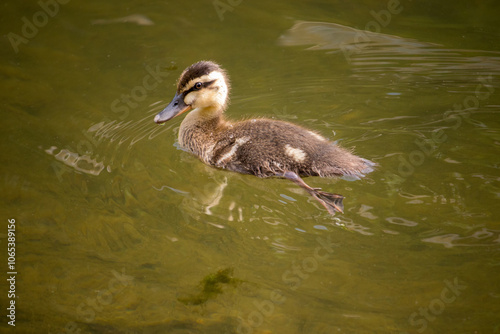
[266, 147]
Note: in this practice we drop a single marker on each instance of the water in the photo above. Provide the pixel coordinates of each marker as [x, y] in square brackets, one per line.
[120, 231]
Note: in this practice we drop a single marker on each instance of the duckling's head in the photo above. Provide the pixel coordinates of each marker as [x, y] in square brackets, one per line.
[203, 85]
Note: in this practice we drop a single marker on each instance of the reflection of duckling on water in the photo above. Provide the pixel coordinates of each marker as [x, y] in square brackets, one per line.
[261, 147]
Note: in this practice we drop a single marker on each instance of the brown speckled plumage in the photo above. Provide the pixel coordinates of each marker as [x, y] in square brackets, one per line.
[261, 147]
[264, 154]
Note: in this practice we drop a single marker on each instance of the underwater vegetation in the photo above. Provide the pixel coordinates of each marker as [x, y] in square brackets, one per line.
[211, 286]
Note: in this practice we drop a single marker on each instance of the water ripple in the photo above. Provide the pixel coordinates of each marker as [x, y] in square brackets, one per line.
[132, 131]
[412, 60]
[481, 238]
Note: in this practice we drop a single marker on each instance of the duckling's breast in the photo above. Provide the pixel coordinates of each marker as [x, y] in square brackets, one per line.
[200, 138]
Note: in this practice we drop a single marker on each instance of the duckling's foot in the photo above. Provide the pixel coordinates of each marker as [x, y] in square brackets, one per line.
[331, 202]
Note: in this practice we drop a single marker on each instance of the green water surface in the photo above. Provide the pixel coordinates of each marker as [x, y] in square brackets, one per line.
[120, 231]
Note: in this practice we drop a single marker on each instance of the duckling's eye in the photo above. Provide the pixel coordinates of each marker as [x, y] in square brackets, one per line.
[198, 85]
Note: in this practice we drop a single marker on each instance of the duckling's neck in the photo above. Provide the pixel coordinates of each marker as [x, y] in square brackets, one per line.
[199, 131]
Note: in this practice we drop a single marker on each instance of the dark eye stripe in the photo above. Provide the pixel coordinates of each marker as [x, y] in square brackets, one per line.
[204, 85]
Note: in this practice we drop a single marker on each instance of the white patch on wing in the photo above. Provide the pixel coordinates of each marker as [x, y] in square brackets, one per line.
[317, 136]
[296, 153]
[229, 155]
[207, 154]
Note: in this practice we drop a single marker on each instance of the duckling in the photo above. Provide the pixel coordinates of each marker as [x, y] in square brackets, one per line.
[261, 147]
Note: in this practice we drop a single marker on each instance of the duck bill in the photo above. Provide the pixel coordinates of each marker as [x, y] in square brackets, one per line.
[174, 108]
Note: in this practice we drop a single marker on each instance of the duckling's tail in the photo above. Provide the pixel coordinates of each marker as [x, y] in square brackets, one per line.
[331, 202]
